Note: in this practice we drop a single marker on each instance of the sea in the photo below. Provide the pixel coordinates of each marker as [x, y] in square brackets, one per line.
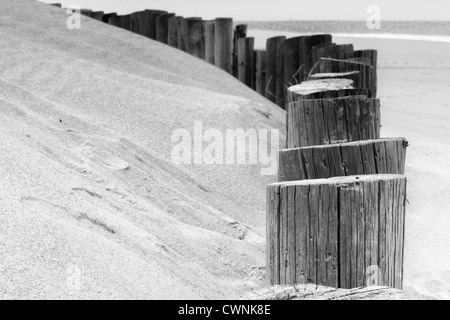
[436, 31]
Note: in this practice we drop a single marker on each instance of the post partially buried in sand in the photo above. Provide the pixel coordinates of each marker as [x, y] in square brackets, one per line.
[341, 232]
[336, 218]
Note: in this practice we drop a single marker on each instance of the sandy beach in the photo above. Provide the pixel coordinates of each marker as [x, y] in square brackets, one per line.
[91, 205]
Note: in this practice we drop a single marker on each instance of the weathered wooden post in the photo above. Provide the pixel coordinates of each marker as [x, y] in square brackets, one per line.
[327, 121]
[342, 232]
[281, 89]
[181, 33]
[246, 70]
[332, 51]
[260, 66]
[152, 16]
[109, 17]
[209, 33]
[86, 12]
[273, 49]
[292, 69]
[223, 44]
[172, 37]
[240, 32]
[381, 156]
[195, 44]
[162, 27]
[369, 56]
[326, 87]
[135, 23]
[306, 54]
[97, 15]
[366, 71]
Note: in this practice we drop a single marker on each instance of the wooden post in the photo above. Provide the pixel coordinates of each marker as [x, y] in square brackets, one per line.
[340, 51]
[307, 88]
[109, 18]
[281, 90]
[246, 71]
[260, 66]
[366, 72]
[86, 12]
[195, 44]
[223, 44]
[382, 156]
[152, 16]
[162, 27]
[209, 33]
[172, 32]
[273, 49]
[342, 232]
[97, 15]
[125, 22]
[372, 57]
[291, 51]
[135, 23]
[181, 33]
[239, 32]
[327, 121]
[306, 52]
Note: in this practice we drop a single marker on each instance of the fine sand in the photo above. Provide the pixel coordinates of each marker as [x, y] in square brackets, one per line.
[91, 205]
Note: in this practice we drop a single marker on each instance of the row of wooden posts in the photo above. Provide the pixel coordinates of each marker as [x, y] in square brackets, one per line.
[337, 215]
[285, 62]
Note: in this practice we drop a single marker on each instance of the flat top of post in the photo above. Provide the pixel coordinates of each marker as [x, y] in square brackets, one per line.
[355, 97]
[343, 144]
[313, 86]
[349, 180]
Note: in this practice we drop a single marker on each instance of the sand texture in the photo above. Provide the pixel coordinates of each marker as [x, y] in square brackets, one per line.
[91, 206]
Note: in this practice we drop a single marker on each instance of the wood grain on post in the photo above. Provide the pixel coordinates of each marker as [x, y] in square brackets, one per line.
[306, 53]
[162, 27]
[209, 34]
[291, 52]
[86, 12]
[381, 156]
[344, 232]
[108, 17]
[366, 71]
[281, 90]
[181, 33]
[97, 15]
[125, 22]
[135, 22]
[172, 32]
[327, 121]
[334, 51]
[246, 66]
[273, 48]
[195, 44]
[223, 44]
[152, 16]
[372, 57]
[239, 32]
[260, 66]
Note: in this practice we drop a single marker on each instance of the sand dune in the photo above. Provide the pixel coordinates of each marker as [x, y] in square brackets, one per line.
[91, 205]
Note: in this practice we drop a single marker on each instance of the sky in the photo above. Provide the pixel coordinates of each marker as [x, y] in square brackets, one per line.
[277, 9]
